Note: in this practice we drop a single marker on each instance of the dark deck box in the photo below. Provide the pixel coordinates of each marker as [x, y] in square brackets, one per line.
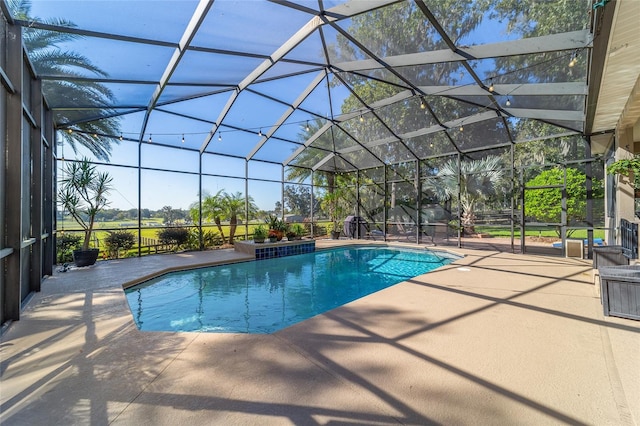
[608, 256]
[620, 291]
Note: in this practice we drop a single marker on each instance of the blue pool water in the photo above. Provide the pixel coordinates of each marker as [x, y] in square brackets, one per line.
[268, 295]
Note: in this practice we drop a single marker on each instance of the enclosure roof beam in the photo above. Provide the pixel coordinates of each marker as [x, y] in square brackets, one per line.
[308, 142]
[305, 93]
[546, 114]
[197, 19]
[285, 48]
[486, 115]
[323, 161]
[549, 43]
[534, 89]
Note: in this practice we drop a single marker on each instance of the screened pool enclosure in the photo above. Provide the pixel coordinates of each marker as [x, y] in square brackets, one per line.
[429, 120]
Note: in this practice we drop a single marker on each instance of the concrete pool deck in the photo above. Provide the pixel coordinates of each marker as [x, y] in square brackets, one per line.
[494, 338]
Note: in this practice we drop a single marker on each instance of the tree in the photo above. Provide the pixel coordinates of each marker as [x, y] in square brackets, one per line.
[478, 180]
[234, 209]
[386, 38]
[169, 215]
[224, 206]
[459, 18]
[83, 193]
[545, 205]
[298, 199]
[334, 203]
[278, 208]
[371, 198]
[212, 210]
[540, 18]
[49, 59]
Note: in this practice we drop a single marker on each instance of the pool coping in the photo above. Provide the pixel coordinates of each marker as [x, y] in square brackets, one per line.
[178, 268]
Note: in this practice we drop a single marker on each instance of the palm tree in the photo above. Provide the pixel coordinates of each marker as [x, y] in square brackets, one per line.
[234, 206]
[478, 181]
[213, 209]
[223, 206]
[48, 59]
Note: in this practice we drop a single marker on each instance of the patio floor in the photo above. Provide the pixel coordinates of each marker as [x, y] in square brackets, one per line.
[494, 338]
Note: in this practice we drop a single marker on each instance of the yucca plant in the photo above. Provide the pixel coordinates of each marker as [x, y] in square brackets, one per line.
[83, 193]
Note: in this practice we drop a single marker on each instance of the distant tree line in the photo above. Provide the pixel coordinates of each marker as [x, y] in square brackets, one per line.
[167, 214]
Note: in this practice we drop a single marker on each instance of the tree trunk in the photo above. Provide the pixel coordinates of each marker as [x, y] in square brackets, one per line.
[87, 235]
[233, 222]
[218, 224]
[468, 223]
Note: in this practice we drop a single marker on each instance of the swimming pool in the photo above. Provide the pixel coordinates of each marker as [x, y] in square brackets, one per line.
[268, 295]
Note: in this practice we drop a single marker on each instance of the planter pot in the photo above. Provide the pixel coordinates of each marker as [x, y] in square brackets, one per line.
[85, 257]
[335, 235]
[258, 240]
[620, 291]
[273, 239]
[279, 234]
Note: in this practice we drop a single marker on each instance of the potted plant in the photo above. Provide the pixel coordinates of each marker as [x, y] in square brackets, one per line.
[273, 237]
[259, 234]
[290, 233]
[298, 230]
[277, 226]
[83, 193]
[627, 167]
[333, 204]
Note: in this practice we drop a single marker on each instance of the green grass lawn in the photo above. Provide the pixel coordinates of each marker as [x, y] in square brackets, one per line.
[537, 232]
[152, 226]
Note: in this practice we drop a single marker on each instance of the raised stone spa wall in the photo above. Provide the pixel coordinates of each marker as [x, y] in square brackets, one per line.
[277, 249]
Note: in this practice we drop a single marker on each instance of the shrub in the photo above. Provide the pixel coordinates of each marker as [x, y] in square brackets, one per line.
[299, 229]
[117, 240]
[175, 237]
[209, 239]
[545, 204]
[65, 245]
